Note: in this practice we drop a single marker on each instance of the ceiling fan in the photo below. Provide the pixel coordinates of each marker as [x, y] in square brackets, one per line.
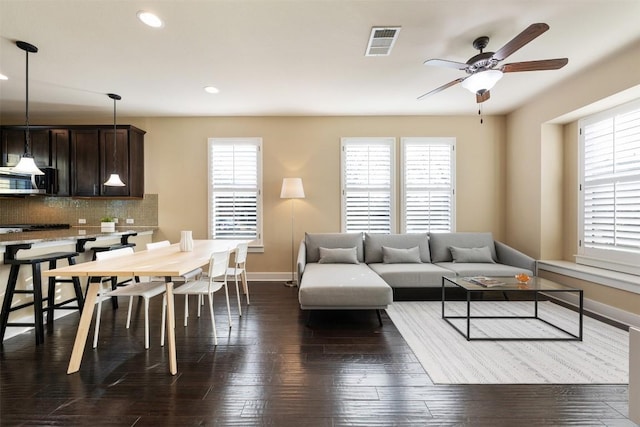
[483, 69]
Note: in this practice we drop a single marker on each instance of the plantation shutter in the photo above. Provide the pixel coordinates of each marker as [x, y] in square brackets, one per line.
[235, 188]
[611, 183]
[428, 177]
[367, 185]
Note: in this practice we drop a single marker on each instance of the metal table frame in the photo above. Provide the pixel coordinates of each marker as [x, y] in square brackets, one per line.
[536, 292]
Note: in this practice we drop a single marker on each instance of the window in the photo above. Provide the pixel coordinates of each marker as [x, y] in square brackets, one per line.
[235, 189]
[609, 233]
[368, 200]
[428, 185]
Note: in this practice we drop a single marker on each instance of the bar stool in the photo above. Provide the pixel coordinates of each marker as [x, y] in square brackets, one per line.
[38, 300]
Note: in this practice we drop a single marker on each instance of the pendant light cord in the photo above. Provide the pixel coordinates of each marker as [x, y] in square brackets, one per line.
[114, 135]
[27, 137]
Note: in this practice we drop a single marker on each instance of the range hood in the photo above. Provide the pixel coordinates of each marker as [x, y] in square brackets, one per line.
[17, 184]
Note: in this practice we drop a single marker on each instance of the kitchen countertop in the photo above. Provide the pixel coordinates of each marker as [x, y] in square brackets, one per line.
[73, 233]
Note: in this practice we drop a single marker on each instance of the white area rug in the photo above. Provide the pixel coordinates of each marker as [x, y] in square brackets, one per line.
[601, 358]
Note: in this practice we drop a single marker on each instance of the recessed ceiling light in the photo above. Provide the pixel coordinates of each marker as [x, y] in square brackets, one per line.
[211, 89]
[3, 77]
[150, 19]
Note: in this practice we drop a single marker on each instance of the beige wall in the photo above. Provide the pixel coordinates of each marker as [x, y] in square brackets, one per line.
[309, 147]
[541, 208]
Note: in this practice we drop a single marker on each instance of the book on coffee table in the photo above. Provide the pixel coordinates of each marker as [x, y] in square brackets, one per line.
[487, 282]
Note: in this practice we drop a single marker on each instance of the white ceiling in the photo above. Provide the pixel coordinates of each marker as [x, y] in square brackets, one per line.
[290, 57]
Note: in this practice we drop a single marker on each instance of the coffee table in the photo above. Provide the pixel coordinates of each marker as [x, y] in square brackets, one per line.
[533, 289]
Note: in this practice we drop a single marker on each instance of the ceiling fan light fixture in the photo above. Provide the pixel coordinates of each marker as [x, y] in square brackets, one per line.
[482, 81]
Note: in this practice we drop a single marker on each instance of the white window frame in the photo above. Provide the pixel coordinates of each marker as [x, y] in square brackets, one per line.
[389, 142]
[616, 259]
[255, 141]
[424, 141]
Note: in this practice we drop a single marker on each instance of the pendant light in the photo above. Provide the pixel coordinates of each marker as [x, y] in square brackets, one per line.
[114, 180]
[26, 164]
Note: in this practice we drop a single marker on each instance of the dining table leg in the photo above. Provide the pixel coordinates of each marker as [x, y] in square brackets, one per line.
[171, 332]
[83, 328]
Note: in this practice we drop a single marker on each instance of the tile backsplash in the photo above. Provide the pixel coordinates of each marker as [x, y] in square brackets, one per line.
[66, 210]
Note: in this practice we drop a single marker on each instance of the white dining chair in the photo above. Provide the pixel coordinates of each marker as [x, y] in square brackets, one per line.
[215, 280]
[176, 280]
[146, 290]
[239, 272]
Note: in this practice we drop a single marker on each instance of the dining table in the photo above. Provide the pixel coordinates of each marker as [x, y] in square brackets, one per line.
[169, 261]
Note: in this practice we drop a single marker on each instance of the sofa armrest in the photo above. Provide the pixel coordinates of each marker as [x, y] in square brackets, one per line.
[302, 260]
[510, 256]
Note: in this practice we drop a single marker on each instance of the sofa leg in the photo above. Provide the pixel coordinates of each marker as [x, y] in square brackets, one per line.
[308, 318]
[379, 317]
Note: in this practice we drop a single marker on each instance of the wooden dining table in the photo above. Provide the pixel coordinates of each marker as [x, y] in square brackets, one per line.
[164, 262]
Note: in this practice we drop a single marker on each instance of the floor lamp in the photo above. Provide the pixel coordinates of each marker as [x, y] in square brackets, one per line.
[292, 189]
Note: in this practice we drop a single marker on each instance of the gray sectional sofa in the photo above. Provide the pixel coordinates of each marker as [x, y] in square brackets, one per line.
[360, 270]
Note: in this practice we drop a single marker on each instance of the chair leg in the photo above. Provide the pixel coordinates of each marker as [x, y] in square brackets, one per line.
[146, 323]
[199, 305]
[238, 295]
[97, 326]
[129, 312]
[245, 285]
[164, 318]
[186, 308]
[379, 317]
[226, 292]
[213, 320]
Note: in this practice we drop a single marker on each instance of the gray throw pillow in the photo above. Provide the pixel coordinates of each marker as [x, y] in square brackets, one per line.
[338, 256]
[482, 254]
[401, 256]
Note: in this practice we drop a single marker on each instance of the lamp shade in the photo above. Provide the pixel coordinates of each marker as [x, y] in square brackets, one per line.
[27, 165]
[292, 188]
[482, 81]
[114, 181]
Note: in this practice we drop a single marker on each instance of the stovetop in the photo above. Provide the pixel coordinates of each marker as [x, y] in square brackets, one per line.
[16, 228]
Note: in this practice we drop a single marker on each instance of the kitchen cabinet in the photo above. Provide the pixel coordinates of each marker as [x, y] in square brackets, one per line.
[50, 151]
[92, 161]
[13, 146]
[82, 156]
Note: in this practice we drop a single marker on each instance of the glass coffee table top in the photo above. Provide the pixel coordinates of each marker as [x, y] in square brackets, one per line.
[511, 283]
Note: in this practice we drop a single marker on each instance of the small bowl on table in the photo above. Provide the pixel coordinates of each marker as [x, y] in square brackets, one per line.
[523, 278]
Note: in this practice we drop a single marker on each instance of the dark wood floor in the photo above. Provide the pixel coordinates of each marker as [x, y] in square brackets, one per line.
[269, 369]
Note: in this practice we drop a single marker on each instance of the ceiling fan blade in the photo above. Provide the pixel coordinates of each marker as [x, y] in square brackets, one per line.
[530, 33]
[544, 64]
[445, 63]
[443, 87]
[480, 98]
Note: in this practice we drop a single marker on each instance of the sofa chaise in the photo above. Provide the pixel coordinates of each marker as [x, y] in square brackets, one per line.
[360, 270]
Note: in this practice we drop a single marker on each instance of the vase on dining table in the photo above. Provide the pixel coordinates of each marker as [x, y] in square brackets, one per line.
[186, 241]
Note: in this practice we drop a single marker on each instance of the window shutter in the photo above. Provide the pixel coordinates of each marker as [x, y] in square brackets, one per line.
[611, 196]
[367, 181]
[234, 175]
[428, 185]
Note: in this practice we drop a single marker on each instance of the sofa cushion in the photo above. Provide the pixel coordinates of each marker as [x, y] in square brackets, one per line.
[401, 256]
[373, 244]
[482, 254]
[313, 242]
[483, 269]
[411, 275]
[439, 244]
[338, 256]
[342, 286]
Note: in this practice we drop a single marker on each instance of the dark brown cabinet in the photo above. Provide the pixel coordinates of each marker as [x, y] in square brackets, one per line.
[82, 157]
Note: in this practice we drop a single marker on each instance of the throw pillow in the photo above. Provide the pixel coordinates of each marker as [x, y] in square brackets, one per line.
[482, 254]
[401, 256]
[338, 256]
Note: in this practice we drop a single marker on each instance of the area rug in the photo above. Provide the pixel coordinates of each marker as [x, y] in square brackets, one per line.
[601, 358]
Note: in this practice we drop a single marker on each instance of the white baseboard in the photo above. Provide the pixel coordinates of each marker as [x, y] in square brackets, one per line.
[613, 313]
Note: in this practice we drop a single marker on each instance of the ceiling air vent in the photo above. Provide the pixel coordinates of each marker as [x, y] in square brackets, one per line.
[381, 41]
